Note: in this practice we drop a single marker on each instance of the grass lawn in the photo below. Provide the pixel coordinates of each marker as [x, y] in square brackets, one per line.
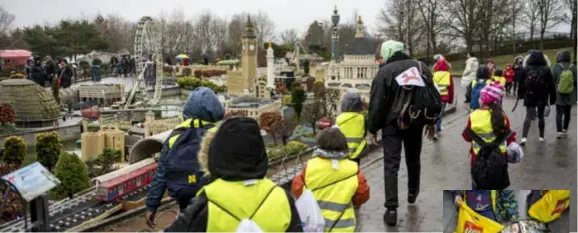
[501, 61]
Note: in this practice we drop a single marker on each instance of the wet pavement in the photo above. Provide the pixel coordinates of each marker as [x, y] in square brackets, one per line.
[445, 165]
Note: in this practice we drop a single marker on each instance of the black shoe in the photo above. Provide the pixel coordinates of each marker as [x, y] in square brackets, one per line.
[411, 197]
[390, 217]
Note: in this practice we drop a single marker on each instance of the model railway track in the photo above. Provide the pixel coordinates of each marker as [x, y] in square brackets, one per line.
[75, 213]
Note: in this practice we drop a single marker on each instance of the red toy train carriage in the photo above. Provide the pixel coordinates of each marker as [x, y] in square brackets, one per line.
[126, 183]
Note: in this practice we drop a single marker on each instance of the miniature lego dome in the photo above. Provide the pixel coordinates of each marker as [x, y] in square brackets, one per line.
[33, 105]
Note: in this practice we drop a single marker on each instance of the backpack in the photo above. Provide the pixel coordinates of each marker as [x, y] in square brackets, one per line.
[418, 100]
[535, 83]
[490, 168]
[566, 84]
[183, 170]
[476, 91]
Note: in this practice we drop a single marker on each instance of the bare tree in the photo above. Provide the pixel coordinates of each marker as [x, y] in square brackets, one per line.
[264, 27]
[549, 15]
[6, 20]
[572, 6]
[400, 22]
[315, 34]
[235, 31]
[430, 16]
[117, 31]
[531, 15]
[289, 36]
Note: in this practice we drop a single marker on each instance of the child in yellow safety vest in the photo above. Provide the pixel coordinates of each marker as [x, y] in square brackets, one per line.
[490, 122]
[352, 124]
[498, 76]
[335, 181]
[445, 83]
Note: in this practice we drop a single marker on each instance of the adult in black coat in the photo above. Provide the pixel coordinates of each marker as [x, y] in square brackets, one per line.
[37, 73]
[538, 94]
[65, 74]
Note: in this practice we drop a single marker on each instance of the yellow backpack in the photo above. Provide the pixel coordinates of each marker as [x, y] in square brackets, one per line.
[469, 221]
[550, 206]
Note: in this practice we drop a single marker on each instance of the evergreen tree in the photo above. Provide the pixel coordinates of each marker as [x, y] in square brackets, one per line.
[298, 96]
[48, 148]
[14, 150]
[73, 175]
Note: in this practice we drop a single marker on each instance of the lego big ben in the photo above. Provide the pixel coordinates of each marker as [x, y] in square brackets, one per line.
[249, 56]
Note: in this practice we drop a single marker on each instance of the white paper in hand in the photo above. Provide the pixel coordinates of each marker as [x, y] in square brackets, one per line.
[410, 77]
[248, 225]
[310, 213]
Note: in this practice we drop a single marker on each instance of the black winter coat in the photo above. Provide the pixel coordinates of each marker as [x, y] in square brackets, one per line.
[38, 75]
[65, 75]
[536, 64]
[384, 89]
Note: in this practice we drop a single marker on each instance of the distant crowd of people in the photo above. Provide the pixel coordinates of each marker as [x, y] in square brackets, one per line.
[124, 67]
[50, 72]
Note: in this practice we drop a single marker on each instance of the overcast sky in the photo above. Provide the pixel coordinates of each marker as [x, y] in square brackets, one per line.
[286, 14]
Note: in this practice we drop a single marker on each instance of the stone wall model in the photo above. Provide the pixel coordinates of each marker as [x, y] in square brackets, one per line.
[33, 105]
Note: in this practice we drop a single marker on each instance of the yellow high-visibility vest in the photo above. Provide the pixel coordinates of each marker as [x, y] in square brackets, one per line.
[442, 79]
[187, 124]
[481, 124]
[352, 125]
[231, 202]
[334, 183]
[500, 79]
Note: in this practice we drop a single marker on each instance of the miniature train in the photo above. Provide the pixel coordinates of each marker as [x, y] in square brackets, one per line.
[113, 185]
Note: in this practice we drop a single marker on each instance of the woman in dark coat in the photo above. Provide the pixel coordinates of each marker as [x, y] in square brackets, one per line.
[65, 74]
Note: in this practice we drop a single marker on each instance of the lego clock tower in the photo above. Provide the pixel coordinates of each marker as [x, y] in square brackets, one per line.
[249, 56]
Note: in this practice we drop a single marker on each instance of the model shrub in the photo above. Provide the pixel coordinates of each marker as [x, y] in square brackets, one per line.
[73, 175]
[17, 75]
[48, 149]
[192, 83]
[14, 150]
[7, 114]
[9, 200]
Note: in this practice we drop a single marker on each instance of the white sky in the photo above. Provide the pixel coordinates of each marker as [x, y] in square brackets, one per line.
[286, 14]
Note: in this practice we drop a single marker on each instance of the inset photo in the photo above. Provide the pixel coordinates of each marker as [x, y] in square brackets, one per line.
[507, 211]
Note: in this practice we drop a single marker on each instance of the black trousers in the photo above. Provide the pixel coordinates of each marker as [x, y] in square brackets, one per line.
[392, 140]
[530, 114]
[563, 111]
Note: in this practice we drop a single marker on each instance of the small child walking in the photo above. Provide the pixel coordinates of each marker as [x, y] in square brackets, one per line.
[490, 122]
[352, 124]
[335, 181]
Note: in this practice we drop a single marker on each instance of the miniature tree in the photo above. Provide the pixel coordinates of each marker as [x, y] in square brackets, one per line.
[14, 151]
[107, 159]
[56, 90]
[73, 175]
[298, 96]
[7, 118]
[48, 149]
[306, 64]
[312, 113]
[10, 200]
[285, 129]
[269, 121]
[332, 98]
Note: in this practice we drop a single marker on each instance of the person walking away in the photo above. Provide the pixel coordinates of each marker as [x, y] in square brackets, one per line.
[509, 74]
[490, 123]
[50, 69]
[37, 73]
[336, 182]
[538, 90]
[387, 114]
[483, 77]
[470, 71]
[498, 205]
[179, 171]
[444, 80]
[565, 80]
[65, 75]
[519, 73]
[492, 66]
[124, 64]
[236, 160]
[352, 124]
[499, 77]
[113, 64]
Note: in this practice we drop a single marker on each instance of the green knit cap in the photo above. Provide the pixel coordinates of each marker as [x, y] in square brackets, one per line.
[389, 47]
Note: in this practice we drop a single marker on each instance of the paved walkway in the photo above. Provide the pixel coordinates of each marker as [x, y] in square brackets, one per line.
[445, 165]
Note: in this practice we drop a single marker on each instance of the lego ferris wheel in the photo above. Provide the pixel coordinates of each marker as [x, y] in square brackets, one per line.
[148, 56]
